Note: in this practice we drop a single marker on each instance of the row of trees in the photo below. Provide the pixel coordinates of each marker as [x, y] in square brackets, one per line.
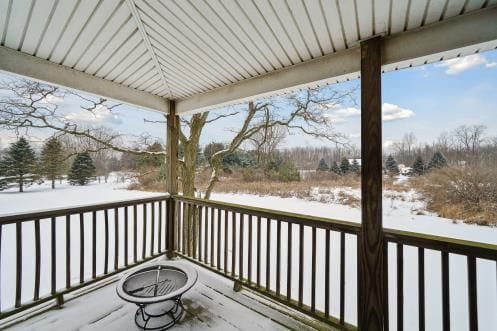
[468, 143]
[419, 167]
[345, 167]
[22, 167]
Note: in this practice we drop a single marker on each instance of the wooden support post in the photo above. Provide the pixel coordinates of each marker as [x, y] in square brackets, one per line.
[172, 174]
[370, 278]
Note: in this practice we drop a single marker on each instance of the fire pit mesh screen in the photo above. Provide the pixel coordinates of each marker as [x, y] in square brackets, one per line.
[154, 282]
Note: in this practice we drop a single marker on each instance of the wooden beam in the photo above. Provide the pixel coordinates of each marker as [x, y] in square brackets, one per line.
[172, 174]
[18, 63]
[470, 33]
[370, 278]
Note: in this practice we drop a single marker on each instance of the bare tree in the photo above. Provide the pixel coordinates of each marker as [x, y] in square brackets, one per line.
[31, 105]
[469, 137]
[267, 140]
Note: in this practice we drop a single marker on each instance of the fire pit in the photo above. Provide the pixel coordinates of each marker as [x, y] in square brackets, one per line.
[157, 291]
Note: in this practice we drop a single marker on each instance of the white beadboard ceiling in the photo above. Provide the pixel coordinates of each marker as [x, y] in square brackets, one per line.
[177, 49]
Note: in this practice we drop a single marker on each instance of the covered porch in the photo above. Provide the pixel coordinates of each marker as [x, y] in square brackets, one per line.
[186, 58]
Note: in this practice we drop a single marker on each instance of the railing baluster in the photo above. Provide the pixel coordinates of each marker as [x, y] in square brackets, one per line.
[249, 258]
[18, 263]
[268, 253]
[278, 256]
[472, 294]
[135, 234]
[233, 244]
[116, 238]
[81, 247]
[289, 264]
[400, 287]
[225, 262]
[53, 258]
[445, 291]
[198, 249]
[152, 228]
[106, 251]
[94, 245]
[126, 236]
[36, 295]
[213, 227]
[159, 240]
[421, 288]
[313, 267]
[327, 275]
[206, 235]
[301, 264]
[240, 260]
[68, 251]
[258, 251]
[144, 234]
[342, 278]
[218, 251]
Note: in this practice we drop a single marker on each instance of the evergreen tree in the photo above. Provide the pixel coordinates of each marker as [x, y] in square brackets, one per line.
[391, 165]
[19, 165]
[82, 170]
[438, 161]
[354, 167]
[335, 168]
[52, 160]
[322, 166]
[418, 167]
[345, 166]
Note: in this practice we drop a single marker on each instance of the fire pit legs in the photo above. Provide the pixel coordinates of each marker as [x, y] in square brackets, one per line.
[155, 318]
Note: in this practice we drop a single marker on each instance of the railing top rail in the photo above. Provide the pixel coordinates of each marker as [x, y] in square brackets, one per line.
[451, 245]
[337, 225]
[57, 212]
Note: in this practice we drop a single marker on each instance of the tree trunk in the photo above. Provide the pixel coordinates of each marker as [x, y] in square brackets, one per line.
[53, 183]
[21, 183]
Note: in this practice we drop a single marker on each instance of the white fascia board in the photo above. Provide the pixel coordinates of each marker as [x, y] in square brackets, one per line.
[18, 63]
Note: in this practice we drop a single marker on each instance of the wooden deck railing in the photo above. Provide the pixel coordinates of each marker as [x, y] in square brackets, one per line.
[442, 249]
[134, 230]
[271, 252]
[308, 263]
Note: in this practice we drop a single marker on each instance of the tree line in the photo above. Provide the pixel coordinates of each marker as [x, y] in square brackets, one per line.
[21, 166]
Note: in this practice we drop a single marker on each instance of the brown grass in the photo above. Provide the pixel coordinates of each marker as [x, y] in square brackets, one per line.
[468, 194]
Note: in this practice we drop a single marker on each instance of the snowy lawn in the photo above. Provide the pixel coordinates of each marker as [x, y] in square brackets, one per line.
[402, 211]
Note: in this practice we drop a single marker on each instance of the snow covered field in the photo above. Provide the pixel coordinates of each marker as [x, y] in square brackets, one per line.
[404, 211]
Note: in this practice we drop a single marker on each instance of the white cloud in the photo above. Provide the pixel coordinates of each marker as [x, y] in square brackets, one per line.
[387, 144]
[461, 64]
[100, 115]
[393, 112]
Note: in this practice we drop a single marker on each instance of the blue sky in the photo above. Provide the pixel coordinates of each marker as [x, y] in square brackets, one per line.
[426, 100]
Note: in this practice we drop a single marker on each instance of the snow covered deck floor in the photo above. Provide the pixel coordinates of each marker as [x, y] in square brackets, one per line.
[211, 304]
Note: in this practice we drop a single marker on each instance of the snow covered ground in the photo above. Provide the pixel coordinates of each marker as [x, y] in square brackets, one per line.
[401, 211]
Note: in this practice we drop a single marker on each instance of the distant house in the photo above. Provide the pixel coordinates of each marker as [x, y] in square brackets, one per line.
[358, 161]
[404, 170]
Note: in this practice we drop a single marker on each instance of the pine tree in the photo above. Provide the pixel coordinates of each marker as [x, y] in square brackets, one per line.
[335, 168]
[82, 170]
[19, 164]
[418, 167]
[322, 166]
[355, 168]
[52, 160]
[391, 165]
[438, 161]
[345, 166]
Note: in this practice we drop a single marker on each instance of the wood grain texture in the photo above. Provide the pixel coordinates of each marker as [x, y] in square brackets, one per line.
[371, 310]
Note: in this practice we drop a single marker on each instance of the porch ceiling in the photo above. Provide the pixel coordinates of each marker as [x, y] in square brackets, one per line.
[195, 51]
